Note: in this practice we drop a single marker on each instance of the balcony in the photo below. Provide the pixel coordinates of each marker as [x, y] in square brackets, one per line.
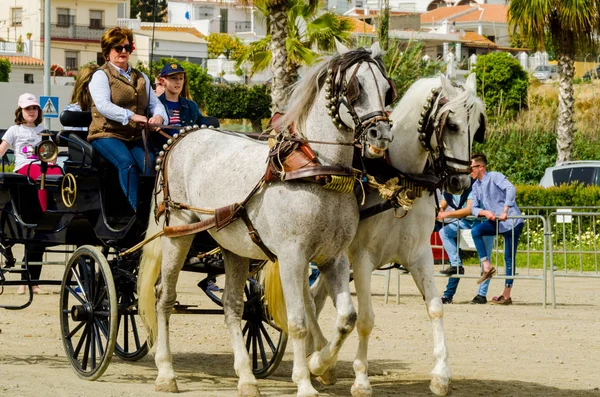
[75, 32]
[243, 26]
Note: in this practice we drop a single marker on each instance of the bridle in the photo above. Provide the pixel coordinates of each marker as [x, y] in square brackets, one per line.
[432, 124]
[341, 90]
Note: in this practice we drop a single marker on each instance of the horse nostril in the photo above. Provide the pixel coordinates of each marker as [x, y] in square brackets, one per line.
[374, 133]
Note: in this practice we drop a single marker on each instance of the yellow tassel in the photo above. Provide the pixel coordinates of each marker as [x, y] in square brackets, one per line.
[274, 300]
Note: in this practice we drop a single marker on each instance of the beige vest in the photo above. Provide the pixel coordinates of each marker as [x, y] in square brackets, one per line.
[130, 95]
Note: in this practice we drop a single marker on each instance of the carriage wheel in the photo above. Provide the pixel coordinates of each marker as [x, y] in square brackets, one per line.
[131, 335]
[88, 317]
[264, 340]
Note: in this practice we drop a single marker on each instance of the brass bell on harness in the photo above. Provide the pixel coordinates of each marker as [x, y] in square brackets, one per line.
[161, 153]
[157, 168]
[175, 136]
[165, 146]
[203, 126]
[169, 142]
[158, 160]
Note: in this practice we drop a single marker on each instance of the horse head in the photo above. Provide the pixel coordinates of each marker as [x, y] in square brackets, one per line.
[444, 118]
[350, 90]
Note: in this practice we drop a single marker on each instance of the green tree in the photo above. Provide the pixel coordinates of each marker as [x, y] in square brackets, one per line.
[405, 64]
[384, 26]
[144, 9]
[222, 43]
[306, 30]
[4, 70]
[572, 26]
[198, 78]
[501, 82]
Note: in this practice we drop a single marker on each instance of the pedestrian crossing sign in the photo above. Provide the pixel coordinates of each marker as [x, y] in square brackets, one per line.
[49, 105]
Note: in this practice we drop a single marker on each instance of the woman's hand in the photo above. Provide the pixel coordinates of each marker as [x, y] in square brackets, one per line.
[156, 120]
[489, 215]
[503, 216]
[138, 118]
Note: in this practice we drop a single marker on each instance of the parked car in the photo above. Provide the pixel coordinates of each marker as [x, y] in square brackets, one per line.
[592, 73]
[586, 172]
[546, 72]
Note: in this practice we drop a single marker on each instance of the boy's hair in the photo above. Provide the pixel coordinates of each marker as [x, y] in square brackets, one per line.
[114, 36]
[81, 92]
[19, 119]
[479, 158]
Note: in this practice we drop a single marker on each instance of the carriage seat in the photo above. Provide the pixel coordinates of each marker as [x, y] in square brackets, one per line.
[12, 178]
[82, 152]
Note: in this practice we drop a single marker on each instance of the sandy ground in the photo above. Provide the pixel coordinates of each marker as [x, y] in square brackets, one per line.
[519, 350]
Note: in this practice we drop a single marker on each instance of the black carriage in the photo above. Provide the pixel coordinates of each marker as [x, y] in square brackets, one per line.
[86, 208]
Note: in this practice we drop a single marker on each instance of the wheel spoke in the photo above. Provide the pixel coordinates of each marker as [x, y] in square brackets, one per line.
[98, 338]
[92, 345]
[86, 349]
[126, 333]
[261, 346]
[263, 330]
[80, 343]
[75, 294]
[75, 330]
[136, 335]
[254, 347]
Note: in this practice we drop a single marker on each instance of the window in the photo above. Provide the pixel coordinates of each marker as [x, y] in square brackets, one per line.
[16, 16]
[96, 19]
[71, 60]
[122, 11]
[28, 78]
[64, 17]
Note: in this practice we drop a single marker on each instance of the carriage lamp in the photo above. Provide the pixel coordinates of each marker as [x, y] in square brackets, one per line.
[46, 151]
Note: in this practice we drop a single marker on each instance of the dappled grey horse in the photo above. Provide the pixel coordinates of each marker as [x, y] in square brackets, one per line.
[435, 122]
[339, 102]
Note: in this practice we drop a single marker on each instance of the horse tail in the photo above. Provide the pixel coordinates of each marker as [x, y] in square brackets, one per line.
[274, 299]
[149, 271]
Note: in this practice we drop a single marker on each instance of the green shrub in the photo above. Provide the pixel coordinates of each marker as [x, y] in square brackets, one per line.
[502, 83]
[237, 101]
[574, 195]
[4, 70]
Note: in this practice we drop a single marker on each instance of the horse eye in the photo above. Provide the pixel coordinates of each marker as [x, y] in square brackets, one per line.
[453, 127]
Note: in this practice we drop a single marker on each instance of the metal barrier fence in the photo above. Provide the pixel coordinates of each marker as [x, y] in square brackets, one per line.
[565, 240]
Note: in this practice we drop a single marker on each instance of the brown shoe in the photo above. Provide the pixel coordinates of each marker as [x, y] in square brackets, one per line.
[486, 275]
[502, 301]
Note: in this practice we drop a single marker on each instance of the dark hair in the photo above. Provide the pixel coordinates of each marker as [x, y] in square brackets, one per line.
[480, 158]
[81, 93]
[19, 119]
[114, 36]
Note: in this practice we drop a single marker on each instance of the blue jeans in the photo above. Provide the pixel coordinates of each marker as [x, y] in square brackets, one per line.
[511, 241]
[130, 159]
[449, 236]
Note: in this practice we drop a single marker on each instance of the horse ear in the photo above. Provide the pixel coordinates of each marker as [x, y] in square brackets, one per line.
[471, 83]
[376, 50]
[447, 86]
[341, 49]
[479, 136]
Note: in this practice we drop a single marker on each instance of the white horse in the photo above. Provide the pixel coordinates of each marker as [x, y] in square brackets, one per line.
[433, 117]
[341, 99]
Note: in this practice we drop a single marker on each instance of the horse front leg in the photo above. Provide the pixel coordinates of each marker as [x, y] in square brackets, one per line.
[236, 274]
[174, 254]
[366, 320]
[293, 270]
[315, 298]
[337, 277]
[422, 272]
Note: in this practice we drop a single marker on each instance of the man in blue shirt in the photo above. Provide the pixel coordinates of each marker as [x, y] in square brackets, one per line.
[494, 198]
[452, 209]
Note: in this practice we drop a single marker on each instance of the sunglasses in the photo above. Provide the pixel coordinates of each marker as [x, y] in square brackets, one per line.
[119, 48]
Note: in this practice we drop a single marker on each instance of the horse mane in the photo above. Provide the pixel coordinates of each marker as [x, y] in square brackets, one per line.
[463, 103]
[306, 91]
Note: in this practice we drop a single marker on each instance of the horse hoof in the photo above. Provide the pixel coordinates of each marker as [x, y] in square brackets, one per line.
[328, 377]
[361, 391]
[166, 385]
[313, 364]
[248, 390]
[439, 386]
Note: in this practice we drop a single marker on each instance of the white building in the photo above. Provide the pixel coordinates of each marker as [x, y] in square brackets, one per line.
[232, 17]
[342, 6]
[75, 31]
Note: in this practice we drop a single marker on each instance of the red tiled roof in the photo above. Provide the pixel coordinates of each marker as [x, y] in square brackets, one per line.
[483, 12]
[476, 40]
[190, 30]
[360, 26]
[18, 60]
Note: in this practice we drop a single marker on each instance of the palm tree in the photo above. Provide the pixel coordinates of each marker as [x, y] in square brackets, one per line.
[572, 26]
[304, 30]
